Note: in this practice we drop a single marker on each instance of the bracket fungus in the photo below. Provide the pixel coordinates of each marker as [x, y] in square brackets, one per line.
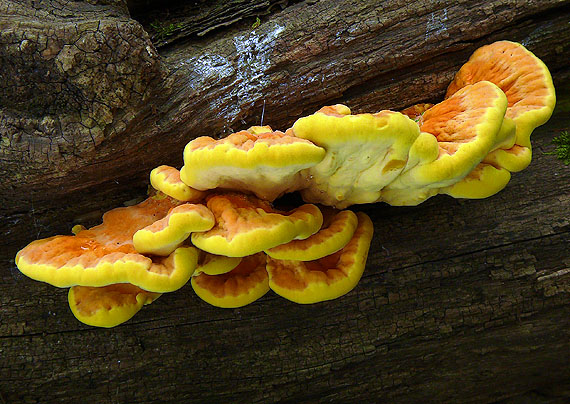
[246, 225]
[464, 128]
[217, 225]
[256, 160]
[165, 235]
[242, 285]
[337, 230]
[167, 180]
[528, 86]
[105, 254]
[325, 278]
[108, 306]
[364, 153]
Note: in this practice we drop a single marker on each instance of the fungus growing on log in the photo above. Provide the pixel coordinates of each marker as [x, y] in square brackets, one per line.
[256, 160]
[465, 146]
[464, 128]
[105, 254]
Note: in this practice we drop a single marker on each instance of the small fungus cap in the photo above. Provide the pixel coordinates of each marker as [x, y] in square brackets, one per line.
[338, 228]
[165, 235]
[265, 163]
[241, 286]
[326, 278]
[364, 152]
[167, 180]
[246, 225]
[108, 306]
[212, 264]
[105, 255]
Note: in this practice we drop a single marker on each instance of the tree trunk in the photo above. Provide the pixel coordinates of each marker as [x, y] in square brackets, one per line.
[461, 301]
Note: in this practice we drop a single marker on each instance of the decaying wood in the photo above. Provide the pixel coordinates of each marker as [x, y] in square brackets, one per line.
[461, 301]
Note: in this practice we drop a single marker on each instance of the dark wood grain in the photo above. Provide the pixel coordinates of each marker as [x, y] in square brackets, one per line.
[461, 301]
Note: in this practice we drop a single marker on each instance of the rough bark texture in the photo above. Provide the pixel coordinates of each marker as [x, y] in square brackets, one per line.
[462, 301]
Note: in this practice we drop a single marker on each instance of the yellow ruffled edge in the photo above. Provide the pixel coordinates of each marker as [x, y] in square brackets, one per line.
[108, 318]
[198, 162]
[329, 130]
[180, 223]
[514, 159]
[321, 291]
[217, 265]
[313, 248]
[529, 120]
[161, 180]
[484, 181]
[233, 301]
[137, 272]
[302, 223]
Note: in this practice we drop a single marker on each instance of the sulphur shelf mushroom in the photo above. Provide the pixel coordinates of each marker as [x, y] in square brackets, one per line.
[325, 278]
[364, 153]
[244, 284]
[258, 160]
[105, 254]
[527, 84]
[108, 306]
[214, 221]
[246, 225]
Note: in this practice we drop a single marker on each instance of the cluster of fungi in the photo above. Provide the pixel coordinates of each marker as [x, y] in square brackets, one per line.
[215, 222]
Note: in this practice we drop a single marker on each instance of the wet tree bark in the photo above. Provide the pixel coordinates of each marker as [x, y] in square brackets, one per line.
[462, 301]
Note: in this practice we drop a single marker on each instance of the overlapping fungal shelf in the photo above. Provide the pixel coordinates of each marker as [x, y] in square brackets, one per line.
[214, 221]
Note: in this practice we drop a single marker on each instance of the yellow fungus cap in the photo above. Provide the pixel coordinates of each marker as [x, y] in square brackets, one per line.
[105, 255]
[165, 235]
[265, 163]
[465, 128]
[527, 84]
[338, 228]
[167, 180]
[241, 286]
[212, 264]
[108, 306]
[326, 278]
[483, 181]
[246, 225]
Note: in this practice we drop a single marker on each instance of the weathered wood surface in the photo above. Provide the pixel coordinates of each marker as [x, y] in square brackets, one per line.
[462, 301]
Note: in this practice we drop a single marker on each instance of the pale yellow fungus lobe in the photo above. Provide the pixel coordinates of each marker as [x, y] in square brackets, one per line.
[263, 162]
[364, 153]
